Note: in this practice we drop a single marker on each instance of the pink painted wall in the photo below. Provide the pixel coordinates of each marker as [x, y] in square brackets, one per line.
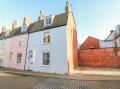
[15, 48]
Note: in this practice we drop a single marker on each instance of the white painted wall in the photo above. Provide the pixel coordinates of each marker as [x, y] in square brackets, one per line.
[57, 49]
[5, 51]
[106, 44]
[15, 49]
[118, 41]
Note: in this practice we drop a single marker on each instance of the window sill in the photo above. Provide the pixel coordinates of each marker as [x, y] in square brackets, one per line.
[46, 43]
[45, 66]
[17, 63]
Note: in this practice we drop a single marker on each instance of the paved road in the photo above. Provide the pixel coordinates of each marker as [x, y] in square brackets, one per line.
[12, 81]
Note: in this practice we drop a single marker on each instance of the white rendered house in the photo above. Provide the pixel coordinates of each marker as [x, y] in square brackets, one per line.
[52, 44]
[5, 42]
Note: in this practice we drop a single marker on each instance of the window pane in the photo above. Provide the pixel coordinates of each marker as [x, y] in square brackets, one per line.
[47, 55]
[21, 43]
[19, 56]
[48, 21]
[47, 37]
[46, 58]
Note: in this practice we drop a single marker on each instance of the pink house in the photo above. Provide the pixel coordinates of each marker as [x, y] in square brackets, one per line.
[18, 46]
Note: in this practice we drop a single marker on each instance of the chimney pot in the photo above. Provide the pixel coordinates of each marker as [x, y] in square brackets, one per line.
[14, 25]
[41, 16]
[26, 20]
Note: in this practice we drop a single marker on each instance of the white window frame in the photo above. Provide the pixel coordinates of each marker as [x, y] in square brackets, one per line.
[48, 20]
[20, 59]
[48, 64]
[24, 28]
[7, 33]
[44, 36]
[21, 43]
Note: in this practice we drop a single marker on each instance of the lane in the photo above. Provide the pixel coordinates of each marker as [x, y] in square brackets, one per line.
[14, 81]
[78, 84]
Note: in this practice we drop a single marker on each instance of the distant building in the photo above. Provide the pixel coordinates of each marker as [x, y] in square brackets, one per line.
[115, 35]
[90, 43]
[94, 43]
[99, 53]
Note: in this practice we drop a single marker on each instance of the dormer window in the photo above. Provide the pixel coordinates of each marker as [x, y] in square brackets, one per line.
[24, 28]
[48, 20]
[7, 33]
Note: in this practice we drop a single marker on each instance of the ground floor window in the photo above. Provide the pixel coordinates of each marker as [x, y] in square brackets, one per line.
[46, 58]
[19, 56]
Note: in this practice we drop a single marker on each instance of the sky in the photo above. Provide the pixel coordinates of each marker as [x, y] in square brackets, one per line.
[93, 17]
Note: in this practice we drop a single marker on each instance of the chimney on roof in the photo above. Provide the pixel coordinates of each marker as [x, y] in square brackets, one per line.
[4, 29]
[26, 20]
[41, 16]
[68, 7]
[14, 25]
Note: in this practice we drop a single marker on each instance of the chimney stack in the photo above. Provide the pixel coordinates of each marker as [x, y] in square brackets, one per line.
[68, 7]
[14, 25]
[4, 29]
[26, 20]
[41, 16]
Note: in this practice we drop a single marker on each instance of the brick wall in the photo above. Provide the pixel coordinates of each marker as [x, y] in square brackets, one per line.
[107, 57]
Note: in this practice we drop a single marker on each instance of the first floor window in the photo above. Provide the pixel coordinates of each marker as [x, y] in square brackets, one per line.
[21, 43]
[46, 58]
[19, 56]
[46, 37]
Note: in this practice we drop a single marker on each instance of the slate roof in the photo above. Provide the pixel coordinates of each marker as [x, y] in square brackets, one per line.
[2, 36]
[14, 32]
[59, 20]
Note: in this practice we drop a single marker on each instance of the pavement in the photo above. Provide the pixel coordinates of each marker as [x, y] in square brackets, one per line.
[115, 72]
[17, 81]
[79, 74]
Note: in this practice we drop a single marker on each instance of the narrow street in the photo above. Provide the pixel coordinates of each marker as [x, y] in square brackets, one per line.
[17, 81]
